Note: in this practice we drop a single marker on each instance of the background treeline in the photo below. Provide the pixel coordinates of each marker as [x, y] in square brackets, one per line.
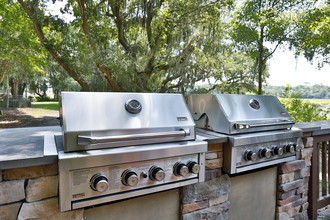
[303, 91]
[154, 45]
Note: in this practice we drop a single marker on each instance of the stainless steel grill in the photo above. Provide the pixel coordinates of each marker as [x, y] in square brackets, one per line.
[105, 120]
[122, 145]
[258, 128]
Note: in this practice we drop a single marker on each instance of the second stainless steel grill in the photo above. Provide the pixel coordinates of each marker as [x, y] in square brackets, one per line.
[235, 114]
[258, 128]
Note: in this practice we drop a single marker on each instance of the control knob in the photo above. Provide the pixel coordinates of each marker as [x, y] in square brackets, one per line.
[290, 148]
[156, 173]
[265, 153]
[129, 178]
[99, 183]
[180, 169]
[250, 155]
[278, 151]
[193, 167]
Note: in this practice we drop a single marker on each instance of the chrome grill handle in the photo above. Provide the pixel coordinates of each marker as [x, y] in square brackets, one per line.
[239, 126]
[89, 140]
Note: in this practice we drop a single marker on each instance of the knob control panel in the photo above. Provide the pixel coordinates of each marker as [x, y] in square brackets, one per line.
[277, 150]
[156, 173]
[99, 183]
[250, 155]
[290, 148]
[129, 178]
[265, 153]
[193, 167]
[247, 155]
[180, 169]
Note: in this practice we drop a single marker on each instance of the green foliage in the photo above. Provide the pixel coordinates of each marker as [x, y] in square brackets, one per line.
[305, 91]
[259, 27]
[302, 110]
[312, 39]
[153, 46]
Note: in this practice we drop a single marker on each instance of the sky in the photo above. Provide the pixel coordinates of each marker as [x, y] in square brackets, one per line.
[286, 69]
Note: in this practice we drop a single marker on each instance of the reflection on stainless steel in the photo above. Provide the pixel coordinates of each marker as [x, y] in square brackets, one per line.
[105, 114]
[88, 140]
[78, 170]
[259, 129]
[233, 114]
[122, 145]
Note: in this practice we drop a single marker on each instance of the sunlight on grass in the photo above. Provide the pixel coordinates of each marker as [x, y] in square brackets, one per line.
[46, 105]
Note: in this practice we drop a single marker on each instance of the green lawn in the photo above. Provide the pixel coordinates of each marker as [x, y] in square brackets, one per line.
[46, 105]
[319, 101]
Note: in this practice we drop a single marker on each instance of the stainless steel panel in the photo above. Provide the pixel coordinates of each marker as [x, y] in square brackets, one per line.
[126, 195]
[234, 161]
[265, 164]
[81, 190]
[262, 137]
[94, 111]
[77, 168]
[160, 206]
[49, 145]
[64, 191]
[237, 108]
[253, 196]
[104, 114]
[104, 157]
[225, 113]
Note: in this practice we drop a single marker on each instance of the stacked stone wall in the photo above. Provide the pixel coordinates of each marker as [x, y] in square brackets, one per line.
[32, 193]
[292, 195]
[209, 199]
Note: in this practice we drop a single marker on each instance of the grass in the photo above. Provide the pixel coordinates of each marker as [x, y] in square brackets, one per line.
[41, 109]
[319, 101]
[46, 105]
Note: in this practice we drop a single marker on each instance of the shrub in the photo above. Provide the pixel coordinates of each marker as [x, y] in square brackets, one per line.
[300, 109]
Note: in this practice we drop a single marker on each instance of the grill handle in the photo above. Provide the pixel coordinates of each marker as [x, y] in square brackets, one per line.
[239, 126]
[88, 140]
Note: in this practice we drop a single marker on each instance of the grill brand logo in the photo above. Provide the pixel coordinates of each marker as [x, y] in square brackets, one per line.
[182, 118]
[79, 195]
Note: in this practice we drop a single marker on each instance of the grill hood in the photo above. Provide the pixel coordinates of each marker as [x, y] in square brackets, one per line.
[233, 114]
[92, 120]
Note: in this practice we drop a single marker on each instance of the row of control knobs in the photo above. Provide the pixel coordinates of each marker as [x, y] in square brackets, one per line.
[267, 153]
[99, 182]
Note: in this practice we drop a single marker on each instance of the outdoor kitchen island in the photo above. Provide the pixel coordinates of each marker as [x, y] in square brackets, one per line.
[29, 185]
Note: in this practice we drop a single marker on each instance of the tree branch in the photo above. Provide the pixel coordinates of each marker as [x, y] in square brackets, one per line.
[30, 11]
[119, 22]
[271, 53]
[104, 70]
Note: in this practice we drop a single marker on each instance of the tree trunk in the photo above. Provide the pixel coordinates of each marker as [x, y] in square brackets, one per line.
[260, 59]
[21, 88]
[7, 98]
[3, 68]
[14, 87]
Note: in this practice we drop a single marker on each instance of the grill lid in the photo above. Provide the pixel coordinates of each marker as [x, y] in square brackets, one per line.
[231, 114]
[94, 120]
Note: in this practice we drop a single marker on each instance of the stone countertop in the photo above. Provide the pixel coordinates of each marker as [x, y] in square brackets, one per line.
[317, 127]
[23, 147]
[211, 137]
